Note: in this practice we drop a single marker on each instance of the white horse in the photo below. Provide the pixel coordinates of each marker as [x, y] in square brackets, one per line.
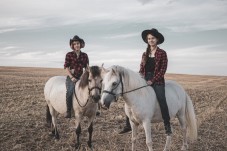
[141, 105]
[85, 100]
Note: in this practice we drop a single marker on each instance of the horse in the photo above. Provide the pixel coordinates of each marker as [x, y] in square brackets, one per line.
[141, 105]
[85, 100]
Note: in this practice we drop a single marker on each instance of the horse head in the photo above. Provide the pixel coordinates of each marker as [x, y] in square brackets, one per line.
[92, 78]
[112, 85]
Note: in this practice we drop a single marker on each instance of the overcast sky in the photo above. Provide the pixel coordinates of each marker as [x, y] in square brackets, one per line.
[36, 33]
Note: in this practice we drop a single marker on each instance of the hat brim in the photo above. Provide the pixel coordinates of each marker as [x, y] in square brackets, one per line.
[82, 43]
[158, 35]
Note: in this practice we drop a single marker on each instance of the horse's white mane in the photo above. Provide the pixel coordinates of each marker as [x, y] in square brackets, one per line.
[132, 80]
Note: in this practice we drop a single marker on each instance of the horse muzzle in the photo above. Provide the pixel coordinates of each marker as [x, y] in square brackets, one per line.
[107, 104]
[96, 98]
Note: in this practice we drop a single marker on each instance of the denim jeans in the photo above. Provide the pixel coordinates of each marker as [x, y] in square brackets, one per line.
[69, 92]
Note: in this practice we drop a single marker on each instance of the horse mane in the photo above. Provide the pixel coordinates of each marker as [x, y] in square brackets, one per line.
[131, 79]
[94, 70]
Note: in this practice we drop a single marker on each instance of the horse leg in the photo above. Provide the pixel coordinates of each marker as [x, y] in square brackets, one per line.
[48, 117]
[54, 125]
[168, 143]
[78, 132]
[184, 130]
[98, 112]
[134, 134]
[147, 129]
[90, 130]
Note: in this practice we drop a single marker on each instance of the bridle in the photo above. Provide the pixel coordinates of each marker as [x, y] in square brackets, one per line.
[122, 89]
[89, 93]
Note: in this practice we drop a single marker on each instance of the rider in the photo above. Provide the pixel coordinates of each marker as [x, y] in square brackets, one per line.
[75, 61]
[153, 67]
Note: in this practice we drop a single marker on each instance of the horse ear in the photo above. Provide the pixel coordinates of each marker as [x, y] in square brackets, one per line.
[103, 71]
[113, 72]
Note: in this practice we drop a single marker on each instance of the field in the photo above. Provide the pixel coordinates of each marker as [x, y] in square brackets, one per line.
[22, 116]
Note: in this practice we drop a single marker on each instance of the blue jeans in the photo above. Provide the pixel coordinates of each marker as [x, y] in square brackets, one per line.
[69, 93]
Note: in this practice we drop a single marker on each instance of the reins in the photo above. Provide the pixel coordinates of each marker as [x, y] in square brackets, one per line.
[89, 89]
[78, 99]
[122, 91]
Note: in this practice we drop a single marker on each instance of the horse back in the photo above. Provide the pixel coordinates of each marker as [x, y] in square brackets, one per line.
[175, 97]
[55, 92]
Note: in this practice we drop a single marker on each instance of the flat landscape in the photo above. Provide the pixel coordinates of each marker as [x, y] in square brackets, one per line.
[23, 111]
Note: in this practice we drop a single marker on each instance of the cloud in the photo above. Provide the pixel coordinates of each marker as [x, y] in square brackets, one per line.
[145, 1]
[33, 30]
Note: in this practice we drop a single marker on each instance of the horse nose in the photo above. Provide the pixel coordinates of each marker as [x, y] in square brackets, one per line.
[107, 104]
[96, 98]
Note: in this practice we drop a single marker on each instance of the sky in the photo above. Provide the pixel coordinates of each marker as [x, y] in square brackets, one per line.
[36, 33]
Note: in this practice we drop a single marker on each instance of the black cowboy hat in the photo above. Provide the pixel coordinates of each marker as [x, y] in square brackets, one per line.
[154, 32]
[77, 38]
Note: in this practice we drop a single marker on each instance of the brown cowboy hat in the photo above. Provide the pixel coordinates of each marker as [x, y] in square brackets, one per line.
[77, 38]
[154, 32]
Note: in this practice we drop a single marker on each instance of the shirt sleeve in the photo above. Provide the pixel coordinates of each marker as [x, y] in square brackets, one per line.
[142, 64]
[67, 61]
[163, 67]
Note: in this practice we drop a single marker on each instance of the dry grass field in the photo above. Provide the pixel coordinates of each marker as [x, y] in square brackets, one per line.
[22, 116]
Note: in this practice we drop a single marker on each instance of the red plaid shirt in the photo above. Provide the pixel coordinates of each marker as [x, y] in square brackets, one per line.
[161, 62]
[72, 62]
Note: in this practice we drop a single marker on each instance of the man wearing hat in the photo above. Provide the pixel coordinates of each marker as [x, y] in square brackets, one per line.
[75, 61]
[153, 68]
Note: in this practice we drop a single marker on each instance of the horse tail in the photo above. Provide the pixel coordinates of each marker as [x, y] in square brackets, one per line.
[48, 116]
[190, 119]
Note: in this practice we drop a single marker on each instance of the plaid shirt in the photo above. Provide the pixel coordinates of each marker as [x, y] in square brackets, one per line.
[72, 62]
[161, 62]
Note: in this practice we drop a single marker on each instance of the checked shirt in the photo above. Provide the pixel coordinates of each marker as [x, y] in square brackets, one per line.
[161, 62]
[76, 63]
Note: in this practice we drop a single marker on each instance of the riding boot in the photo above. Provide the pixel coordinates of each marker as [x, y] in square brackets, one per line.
[69, 92]
[127, 127]
[168, 129]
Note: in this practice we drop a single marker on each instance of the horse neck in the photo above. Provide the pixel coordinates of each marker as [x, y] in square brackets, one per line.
[133, 82]
[81, 93]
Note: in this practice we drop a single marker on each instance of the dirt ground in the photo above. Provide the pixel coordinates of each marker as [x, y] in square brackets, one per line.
[22, 116]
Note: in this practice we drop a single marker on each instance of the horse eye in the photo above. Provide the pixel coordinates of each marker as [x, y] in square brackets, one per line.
[101, 81]
[89, 80]
[114, 84]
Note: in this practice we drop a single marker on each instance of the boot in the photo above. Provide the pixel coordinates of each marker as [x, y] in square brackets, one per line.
[127, 128]
[168, 129]
[69, 107]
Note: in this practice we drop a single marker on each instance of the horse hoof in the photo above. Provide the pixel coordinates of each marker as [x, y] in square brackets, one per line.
[98, 113]
[57, 137]
[184, 147]
[89, 144]
[48, 125]
[77, 146]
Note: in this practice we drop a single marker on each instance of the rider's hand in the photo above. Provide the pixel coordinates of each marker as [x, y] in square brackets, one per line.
[74, 80]
[149, 82]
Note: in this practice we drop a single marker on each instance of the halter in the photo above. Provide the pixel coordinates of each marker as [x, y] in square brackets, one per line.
[89, 92]
[122, 89]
